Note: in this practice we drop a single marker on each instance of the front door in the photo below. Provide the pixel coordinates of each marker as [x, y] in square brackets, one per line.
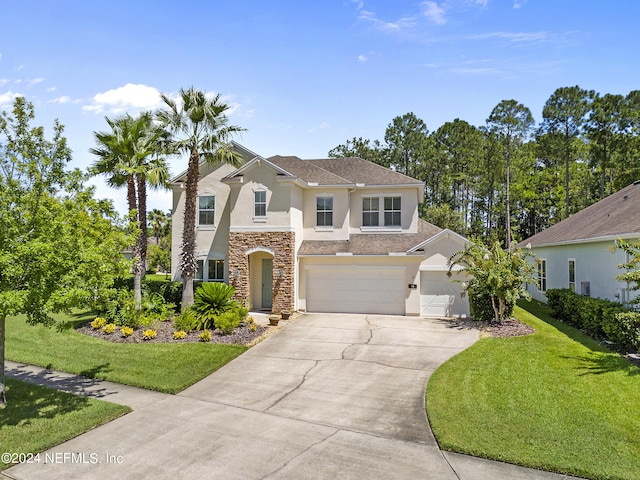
[267, 282]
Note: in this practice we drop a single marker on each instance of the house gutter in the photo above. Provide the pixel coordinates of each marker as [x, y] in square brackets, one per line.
[606, 238]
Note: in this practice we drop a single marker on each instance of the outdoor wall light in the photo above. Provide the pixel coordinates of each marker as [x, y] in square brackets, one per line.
[236, 273]
[280, 273]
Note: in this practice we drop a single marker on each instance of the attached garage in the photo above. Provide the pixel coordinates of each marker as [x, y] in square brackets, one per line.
[440, 296]
[356, 289]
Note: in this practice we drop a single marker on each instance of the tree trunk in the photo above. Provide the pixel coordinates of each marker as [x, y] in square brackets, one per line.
[496, 312]
[3, 396]
[507, 205]
[567, 155]
[188, 262]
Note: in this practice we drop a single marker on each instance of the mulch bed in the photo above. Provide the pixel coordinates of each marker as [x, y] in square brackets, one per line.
[508, 328]
[241, 336]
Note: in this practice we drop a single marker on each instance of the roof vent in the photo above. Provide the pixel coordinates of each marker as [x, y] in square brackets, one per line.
[625, 197]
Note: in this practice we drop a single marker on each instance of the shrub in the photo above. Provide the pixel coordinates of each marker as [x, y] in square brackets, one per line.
[126, 331]
[109, 328]
[623, 328]
[98, 323]
[179, 334]
[212, 299]
[253, 327]
[481, 308]
[149, 334]
[228, 322]
[185, 321]
[595, 316]
[205, 336]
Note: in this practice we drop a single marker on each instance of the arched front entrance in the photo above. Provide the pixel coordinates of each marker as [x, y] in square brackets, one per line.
[261, 280]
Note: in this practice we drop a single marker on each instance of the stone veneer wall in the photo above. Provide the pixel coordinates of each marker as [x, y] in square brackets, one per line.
[283, 246]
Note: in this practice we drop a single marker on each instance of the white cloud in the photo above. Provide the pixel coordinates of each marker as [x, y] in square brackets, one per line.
[63, 99]
[35, 81]
[362, 58]
[519, 3]
[393, 26]
[130, 98]
[513, 36]
[322, 126]
[52, 89]
[8, 97]
[434, 12]
[3, 81]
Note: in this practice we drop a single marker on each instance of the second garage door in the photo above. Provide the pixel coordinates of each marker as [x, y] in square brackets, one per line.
[356, 290]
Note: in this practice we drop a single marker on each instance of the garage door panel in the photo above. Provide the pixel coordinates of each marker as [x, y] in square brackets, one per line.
[355, 290]
[440, 297]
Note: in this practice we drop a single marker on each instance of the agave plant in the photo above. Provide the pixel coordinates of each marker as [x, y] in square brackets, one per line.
[211, 300]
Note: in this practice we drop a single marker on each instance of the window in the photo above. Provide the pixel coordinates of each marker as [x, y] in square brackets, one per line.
[260, 203]
[370, 212]
[216, 270]
[206, 210]
[572, 275]
[324, 211]
[392, 212]
[199, 271]
[542, 275]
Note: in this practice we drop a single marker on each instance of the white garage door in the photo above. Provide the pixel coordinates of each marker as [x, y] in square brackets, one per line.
[356, 290]
[440, 297]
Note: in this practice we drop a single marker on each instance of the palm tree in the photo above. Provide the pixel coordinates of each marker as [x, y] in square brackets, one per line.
[157, 222]
[199, 127]
[129, 154]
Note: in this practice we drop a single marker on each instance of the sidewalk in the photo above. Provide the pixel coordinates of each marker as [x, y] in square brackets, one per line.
[133, 397]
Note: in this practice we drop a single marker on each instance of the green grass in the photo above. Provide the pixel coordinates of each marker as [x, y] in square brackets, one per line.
[38, 418]
[555, 400]
[165, 367]
[158, 277]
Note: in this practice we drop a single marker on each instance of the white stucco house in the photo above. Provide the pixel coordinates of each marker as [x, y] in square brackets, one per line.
[327, 235]
[580, 251]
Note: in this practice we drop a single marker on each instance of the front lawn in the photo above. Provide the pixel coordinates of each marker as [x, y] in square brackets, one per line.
[37, 418]
[555, 400]
[161, 366]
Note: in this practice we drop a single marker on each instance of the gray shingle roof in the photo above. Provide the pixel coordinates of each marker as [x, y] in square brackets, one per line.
[341, 171]
[307, 171]
[371, 243]
[616, 215]
[358, 170]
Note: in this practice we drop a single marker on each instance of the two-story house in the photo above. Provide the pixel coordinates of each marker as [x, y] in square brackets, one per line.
[329, 235]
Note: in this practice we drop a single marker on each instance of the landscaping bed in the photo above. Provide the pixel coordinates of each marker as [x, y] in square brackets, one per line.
[242, 335]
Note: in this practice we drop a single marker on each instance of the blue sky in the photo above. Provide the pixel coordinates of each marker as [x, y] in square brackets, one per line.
[304, 76]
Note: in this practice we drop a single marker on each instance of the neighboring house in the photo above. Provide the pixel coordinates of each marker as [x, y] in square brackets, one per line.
[580, 252]
[331, 235]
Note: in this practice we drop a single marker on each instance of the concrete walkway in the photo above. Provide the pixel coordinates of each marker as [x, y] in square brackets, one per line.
[330, 396]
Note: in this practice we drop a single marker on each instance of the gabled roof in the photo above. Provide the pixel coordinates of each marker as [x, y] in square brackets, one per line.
[241, 149]
[617, 215]
[307, 171]
[372, 243]
[360, 171]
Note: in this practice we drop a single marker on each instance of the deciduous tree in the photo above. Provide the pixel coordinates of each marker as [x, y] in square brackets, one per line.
[58, 245]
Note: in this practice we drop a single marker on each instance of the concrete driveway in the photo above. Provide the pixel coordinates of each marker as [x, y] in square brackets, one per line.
[331, 396]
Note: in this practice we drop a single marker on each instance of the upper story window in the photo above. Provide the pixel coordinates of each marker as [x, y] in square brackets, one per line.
[370, 212]
[324, 211]
[260, 203]
[542, 275]
[392, 211]
[206, 210]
